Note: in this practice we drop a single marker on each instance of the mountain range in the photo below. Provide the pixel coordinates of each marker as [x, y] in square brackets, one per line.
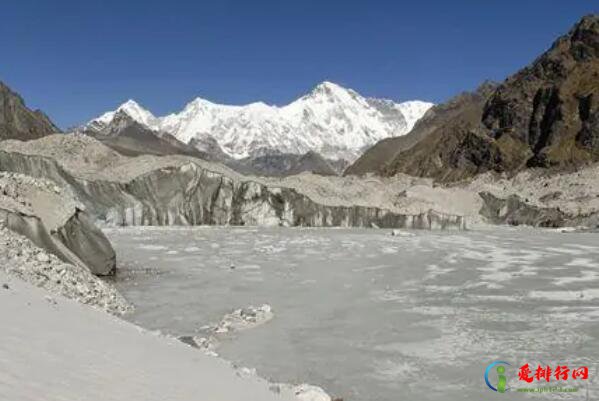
[335, 122]
[544, 116]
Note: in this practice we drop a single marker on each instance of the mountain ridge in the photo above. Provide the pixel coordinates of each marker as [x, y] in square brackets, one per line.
[334, 121]
[17, 121]
[544, 115]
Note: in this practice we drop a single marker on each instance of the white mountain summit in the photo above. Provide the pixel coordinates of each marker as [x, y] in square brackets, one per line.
[334, 121]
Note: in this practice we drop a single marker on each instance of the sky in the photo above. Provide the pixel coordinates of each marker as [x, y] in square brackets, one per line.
[75, 59]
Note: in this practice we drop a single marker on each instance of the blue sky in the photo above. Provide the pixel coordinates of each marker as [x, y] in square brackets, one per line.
[75, 59]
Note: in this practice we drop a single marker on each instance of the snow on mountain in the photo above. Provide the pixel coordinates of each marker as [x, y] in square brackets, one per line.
[131, 108]
[413, 111]
[334, 121]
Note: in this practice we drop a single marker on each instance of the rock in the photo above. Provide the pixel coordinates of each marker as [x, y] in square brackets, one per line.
[246, 372]
[43, 258]
[243, 319]
[205, 344]
[55, 221]
[307, 392]
[55, 276]
[5, 286]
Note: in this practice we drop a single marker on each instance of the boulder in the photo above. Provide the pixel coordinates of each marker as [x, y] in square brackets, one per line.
[53, 219]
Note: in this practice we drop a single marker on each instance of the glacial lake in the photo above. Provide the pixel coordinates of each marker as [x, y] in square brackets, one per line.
[374, 317]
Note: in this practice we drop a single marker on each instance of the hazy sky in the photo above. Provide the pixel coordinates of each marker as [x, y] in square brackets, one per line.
[75, 59]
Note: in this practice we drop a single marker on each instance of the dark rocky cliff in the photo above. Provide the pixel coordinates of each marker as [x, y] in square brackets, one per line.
[19, 122]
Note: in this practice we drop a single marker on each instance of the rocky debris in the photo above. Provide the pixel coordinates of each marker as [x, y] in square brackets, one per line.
[303, 392]
[19, 122]
[179, 190]
[307, 392]
[514, 211]
[52, 218]
[207, 345]
[539, 198]
[239, 320]
[21, 258]
[244, 319]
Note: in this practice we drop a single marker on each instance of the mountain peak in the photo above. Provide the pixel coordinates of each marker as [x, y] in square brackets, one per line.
[130, 103]
[136, 111]
[132, 109]
[199, 101]
[328, 87]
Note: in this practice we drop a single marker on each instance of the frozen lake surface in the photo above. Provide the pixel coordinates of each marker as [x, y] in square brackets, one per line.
[370, 316]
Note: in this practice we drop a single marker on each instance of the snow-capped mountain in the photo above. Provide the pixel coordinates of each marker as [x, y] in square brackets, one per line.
[132, 109]
[334, 121]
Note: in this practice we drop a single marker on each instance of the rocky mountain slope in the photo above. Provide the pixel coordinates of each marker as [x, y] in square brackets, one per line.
[545, 115]
[279, 165]
[19, 122]
[131, 138]
[336, 122]
[548, 113]
[465, 106]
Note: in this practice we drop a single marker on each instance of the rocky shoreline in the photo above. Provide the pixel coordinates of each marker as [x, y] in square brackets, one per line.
[22, 259]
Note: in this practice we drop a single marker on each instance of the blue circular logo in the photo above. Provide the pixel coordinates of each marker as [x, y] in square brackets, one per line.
[502, 381]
